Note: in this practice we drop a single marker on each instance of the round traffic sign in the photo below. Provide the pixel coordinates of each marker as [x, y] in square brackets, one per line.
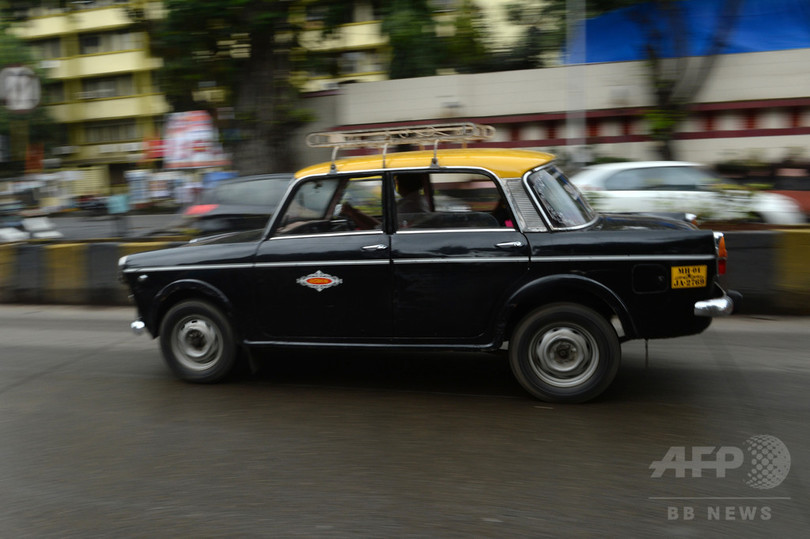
[19, 88]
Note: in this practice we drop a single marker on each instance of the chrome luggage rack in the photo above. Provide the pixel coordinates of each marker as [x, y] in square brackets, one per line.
[382, 138]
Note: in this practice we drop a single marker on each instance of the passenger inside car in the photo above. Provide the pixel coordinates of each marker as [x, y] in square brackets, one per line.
[409, 187]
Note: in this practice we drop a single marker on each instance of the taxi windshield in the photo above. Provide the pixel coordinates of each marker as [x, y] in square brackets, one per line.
[562, 201]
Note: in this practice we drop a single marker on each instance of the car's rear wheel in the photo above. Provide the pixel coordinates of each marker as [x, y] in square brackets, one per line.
[197, 342]
[564, 353]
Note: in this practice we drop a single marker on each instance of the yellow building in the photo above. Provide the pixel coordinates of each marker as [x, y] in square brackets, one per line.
[101, 85]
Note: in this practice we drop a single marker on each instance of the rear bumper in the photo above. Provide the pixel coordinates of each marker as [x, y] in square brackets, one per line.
[722, 306]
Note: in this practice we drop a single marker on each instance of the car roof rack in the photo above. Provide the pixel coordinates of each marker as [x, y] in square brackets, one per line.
[395, 136]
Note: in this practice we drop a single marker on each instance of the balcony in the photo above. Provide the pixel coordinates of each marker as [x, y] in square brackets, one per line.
[95, 108]
[102, 64]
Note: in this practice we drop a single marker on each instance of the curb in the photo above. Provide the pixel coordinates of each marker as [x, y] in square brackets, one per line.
[67, 273]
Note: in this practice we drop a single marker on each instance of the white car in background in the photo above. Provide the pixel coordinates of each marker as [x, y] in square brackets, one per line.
[679, 187]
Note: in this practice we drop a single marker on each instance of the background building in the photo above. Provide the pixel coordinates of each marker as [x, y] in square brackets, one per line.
[100, 84]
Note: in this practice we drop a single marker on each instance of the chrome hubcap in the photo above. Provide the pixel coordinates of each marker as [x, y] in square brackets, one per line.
[197, 343]
[564, 356]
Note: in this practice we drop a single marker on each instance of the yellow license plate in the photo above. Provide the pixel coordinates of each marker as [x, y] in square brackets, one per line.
[688, 276]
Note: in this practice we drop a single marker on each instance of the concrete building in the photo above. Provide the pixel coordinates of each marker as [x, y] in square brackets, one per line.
[101, 85]
[755, 106]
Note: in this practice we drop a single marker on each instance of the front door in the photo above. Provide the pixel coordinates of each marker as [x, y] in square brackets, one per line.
[324, 275]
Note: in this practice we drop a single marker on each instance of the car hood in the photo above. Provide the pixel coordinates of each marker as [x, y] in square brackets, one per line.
[639, 221]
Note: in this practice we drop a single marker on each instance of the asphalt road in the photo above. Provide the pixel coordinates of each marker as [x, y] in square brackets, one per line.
[98, 440]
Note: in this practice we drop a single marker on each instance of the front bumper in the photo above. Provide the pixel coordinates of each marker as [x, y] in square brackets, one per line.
[138, 327]
[722, 306]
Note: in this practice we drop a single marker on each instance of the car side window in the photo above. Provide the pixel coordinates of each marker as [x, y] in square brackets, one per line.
[333, 205]
[671, 179]
[260, 192]
[626, 180]
[445, 200]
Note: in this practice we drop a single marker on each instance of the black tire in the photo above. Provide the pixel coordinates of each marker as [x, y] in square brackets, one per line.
[197, 342]
[581, 353]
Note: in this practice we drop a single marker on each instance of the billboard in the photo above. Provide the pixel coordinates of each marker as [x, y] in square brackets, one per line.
[190, 141]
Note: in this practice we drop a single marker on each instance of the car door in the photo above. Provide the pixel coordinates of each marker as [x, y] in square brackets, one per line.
[454, 265]
[323, 275]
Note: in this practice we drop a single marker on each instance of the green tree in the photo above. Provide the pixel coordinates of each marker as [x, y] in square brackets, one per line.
[416, 50]
[244, 48]
[533, 42]
[22, 129]
[466, 48]
[421, 40]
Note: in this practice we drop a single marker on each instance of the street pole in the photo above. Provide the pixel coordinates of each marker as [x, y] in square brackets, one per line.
[575, 60]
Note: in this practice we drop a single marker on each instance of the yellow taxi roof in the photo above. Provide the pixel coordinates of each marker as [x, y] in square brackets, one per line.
[506, 163]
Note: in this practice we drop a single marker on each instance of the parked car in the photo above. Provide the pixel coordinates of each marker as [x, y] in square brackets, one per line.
[789, 181]
[522, 259]
[233, 205]
[92, 205]
[11, 229]
[680, 187]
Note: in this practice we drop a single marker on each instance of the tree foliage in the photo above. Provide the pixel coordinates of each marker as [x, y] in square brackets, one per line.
[416, 50]
[467, 42]
[242, 48]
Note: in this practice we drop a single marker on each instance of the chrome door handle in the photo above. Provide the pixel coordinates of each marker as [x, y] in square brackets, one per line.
[508, 244]
[377, 247]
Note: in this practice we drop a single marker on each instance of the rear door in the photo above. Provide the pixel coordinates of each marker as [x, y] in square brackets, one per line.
[454, 265]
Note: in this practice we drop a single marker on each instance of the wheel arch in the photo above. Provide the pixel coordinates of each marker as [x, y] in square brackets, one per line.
[566, 288]
[186, 289]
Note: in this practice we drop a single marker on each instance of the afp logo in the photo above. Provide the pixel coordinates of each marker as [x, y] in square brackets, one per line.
[766, 461]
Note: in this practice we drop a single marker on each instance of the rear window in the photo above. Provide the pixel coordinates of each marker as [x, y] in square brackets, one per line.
[560, 199]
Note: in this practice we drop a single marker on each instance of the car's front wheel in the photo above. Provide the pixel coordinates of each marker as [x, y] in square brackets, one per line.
[564, 353]
[197, 342]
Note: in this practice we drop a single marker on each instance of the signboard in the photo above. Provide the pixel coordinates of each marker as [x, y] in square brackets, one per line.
[190, 141]
[19, 88]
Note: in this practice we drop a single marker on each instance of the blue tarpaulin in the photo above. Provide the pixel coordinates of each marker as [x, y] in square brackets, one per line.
[688, 28]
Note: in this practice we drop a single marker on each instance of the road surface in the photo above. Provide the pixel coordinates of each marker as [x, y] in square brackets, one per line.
[98, 440]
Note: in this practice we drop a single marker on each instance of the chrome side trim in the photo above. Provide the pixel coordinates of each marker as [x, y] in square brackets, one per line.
[454, 260]
[374, 346]
[464, 260]
[379, 262]
[328, 235]
[446, 230]
[621, 258]
[189, 267]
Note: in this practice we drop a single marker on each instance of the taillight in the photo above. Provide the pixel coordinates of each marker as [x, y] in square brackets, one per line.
[200, 209]
[722, 253]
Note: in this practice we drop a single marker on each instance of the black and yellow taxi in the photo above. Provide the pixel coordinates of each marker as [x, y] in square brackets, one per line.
[434, 249]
